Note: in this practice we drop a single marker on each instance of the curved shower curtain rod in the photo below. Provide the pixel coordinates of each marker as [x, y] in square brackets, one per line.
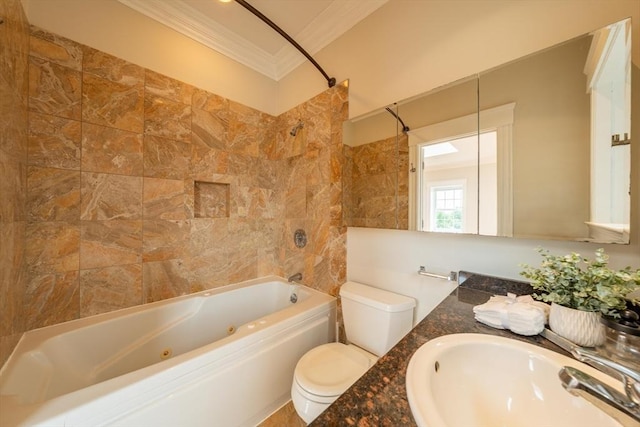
[330, 80]
[405, 128]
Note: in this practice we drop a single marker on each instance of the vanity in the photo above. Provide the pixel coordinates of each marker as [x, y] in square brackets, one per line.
[379, 398]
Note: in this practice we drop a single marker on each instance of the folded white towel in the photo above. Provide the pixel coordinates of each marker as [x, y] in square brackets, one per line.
[521, 315]
[525, 319]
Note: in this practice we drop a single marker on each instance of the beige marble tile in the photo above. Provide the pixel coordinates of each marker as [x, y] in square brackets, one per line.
[206, 162]
[244, 168]
[111, 68]
[164, 279]
[208, 236]
[266, 173]
[267, 140]
[53, 194]
[54, 141]
[12, 277]
[14, 39]
[165, 240]
[249, 202]
[52, 298]
[296, 202]
[166, 87]
[52, 47]
[52, 247]
[318, 200]
[13, 126]
[59, 50]
[317, 164]
[106, 289]
[207, 260]
[110, 243]
[294, 262]
[14, 191]
[106, 196]
[317, 272]
[270, 262]
[288, 145]
[209, 129]
[14, 80]
[207, 271]
[166, 158]
[318, 120]
[336, 209]
[165, 199]
[54, 89]
[112, 104]
[337, 160]
[111, 150]
[244, 132]
[166, 118]
[207, 101]
[243, 265]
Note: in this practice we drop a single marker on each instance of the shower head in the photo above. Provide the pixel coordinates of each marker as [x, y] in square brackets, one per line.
[296, 128]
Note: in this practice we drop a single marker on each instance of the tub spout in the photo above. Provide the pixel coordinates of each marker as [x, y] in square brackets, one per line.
[295, 278]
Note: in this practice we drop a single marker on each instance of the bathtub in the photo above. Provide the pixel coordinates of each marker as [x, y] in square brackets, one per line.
[223, 357]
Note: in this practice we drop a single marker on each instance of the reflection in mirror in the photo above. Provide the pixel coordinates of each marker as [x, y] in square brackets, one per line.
[550, 133]
[375, 171]
[570, 102]
[443, 146]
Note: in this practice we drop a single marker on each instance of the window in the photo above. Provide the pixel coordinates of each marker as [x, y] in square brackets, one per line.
[473, 151]
[447, 209]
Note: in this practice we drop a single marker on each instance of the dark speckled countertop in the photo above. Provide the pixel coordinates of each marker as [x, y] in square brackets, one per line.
[379, 398]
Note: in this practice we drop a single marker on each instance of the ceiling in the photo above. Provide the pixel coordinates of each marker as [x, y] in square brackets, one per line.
[235, 32]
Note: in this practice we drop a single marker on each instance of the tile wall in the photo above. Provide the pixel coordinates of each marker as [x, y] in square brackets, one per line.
[377, 185]
[14, 50]
[141, 188]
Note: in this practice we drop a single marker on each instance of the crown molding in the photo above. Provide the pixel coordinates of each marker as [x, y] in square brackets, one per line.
[188, 21]
[334, 21]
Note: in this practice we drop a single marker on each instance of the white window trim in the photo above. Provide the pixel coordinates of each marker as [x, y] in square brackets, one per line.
[499, 118]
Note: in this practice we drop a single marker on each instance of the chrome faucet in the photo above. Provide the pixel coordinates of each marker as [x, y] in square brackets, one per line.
[625, 408]
[295, 278]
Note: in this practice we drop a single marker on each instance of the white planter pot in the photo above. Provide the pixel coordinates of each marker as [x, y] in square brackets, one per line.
[580, 327]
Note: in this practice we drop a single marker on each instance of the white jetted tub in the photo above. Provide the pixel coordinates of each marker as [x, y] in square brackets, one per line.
[223, 357]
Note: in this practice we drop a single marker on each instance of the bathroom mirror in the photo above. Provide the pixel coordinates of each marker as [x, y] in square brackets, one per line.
[536, 148]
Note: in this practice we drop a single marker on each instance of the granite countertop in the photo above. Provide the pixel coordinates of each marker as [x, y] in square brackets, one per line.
[379, 398]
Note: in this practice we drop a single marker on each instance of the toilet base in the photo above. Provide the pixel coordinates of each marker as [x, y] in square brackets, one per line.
[308, 407]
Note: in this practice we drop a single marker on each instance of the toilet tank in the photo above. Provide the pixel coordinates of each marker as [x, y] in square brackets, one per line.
[375, 319]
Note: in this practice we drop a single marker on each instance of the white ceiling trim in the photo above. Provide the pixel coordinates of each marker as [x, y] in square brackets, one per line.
[193, 24]
[334, 21]
[339, 17]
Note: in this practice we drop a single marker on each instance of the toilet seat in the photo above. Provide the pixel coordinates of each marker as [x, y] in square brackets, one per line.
[328, 370]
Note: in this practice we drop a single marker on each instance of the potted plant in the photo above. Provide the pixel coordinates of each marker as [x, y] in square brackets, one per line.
[580, 291]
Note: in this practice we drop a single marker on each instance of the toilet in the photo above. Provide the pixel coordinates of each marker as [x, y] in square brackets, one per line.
[374, 321]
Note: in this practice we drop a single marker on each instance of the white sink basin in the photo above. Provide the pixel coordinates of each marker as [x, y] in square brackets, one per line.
[476, 380]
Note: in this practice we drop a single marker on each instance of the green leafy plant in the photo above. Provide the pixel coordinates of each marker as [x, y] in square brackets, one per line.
[576, 282]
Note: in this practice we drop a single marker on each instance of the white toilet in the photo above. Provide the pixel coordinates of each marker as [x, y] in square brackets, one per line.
[374, 321]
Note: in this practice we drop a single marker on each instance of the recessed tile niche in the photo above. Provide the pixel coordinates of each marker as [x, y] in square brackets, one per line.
[211, 200]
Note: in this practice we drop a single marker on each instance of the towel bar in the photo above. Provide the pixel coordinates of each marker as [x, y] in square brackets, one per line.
[453, 276]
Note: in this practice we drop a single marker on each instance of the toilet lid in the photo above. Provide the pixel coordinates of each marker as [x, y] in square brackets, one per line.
[328, 370]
